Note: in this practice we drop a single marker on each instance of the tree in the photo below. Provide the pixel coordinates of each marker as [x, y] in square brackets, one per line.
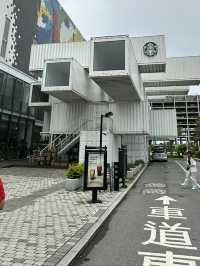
[181, 149]
[197, 132]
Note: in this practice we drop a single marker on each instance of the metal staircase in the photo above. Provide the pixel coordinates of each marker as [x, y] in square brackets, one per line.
[61, 143]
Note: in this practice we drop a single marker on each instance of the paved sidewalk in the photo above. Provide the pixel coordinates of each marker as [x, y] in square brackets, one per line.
[42, 222]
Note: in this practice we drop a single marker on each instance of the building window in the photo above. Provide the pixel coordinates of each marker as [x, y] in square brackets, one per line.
[5, 37]
[38, 96]
[8, 93]
[1, 87]
[25, 100]
[18, 96]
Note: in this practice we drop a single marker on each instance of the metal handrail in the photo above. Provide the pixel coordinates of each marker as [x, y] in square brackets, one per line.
[50, 144]
[70, 137]
[58, 144]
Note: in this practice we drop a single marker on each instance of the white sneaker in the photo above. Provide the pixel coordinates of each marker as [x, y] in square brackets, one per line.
[195, 187]
[184, 185]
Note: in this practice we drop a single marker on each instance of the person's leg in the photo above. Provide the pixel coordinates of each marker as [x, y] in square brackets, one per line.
[2, 204]
[187, 179]
[195, 184]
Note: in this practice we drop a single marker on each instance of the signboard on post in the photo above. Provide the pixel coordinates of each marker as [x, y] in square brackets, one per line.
[95, 175]
[123, 164]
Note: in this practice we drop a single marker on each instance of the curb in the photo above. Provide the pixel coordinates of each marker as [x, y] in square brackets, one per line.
[70, 257]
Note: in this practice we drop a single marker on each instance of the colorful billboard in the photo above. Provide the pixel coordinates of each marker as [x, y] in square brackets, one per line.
[33, 21]
[54, 25]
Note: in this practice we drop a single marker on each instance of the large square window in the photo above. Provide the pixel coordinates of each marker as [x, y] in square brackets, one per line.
[109, 55]
[57, 74]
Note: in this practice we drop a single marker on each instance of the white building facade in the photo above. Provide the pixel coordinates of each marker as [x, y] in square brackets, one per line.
[106, 74]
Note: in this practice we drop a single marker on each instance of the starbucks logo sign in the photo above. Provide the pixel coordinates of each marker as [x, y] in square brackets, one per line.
[150, 49]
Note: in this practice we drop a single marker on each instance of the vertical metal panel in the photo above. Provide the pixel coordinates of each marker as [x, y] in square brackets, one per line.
[131, 117]
[133, 70]
[183, 68]
[127, 117]
[136, 147]
[163, 123]
[78, 50]
[66, 117]
[178, 69]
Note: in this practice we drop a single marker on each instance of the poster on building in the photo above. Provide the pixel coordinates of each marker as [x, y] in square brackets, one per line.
[95, 169]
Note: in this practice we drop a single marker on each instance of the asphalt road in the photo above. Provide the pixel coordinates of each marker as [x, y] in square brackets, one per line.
[176, 232]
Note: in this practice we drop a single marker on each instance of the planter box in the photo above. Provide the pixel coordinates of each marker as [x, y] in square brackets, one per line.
[129, 174]
[73, 184]
[133, 171]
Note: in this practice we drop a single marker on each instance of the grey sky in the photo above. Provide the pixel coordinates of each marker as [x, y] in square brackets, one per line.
[178, 20]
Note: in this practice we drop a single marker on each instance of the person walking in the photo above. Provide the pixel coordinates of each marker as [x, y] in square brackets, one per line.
[2, 195]
[191, 173]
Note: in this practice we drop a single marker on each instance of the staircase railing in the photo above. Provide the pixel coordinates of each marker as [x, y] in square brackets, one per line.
[51, 144]
[63, 140]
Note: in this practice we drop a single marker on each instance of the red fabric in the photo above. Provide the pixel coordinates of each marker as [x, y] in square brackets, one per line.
[2, 192]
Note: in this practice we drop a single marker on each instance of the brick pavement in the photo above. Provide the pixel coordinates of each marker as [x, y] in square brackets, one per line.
[42, 221]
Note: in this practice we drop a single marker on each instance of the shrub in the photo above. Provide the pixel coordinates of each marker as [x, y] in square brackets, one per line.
[74, 171]
[137, 162]
[131, 165]
[134, 164]
[197, 154]
[181, 149]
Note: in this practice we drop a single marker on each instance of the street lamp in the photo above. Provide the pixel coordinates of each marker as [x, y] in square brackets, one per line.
[109, 114]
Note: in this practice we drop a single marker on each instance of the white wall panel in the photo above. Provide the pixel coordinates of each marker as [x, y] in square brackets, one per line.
[47, 120]
[172, 90]
[163, 124]
[133, 68]
[78, 50]
[137, 147]
[177, 68]
[86, 86]
[138, 44]
[91, 138]
[68, 117]
[130, 117]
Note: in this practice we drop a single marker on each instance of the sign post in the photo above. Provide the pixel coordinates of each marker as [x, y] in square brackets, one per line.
[123, 164]
[116, 176]
[95, 173]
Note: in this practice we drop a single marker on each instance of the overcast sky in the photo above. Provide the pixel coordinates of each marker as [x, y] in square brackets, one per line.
[178, 20]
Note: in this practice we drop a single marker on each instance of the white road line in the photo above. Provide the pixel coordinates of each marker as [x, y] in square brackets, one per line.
[181, 167]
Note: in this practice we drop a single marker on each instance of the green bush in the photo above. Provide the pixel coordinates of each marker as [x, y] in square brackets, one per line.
[137, 162]
[197, 154]
[74, 171]
[181, 149]
[131, 165]
[134, 164]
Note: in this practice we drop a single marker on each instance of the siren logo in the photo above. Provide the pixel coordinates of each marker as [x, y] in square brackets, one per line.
[150, 49]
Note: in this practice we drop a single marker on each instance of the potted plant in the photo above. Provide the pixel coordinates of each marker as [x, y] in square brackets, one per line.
[131, 170]
[134, 168]
[139, 164]
[74, 177]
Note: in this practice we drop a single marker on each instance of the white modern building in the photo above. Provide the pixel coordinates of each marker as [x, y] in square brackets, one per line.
[87, 79]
